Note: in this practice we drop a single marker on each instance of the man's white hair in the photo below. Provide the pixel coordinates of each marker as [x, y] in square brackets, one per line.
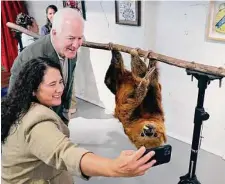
[64, 14]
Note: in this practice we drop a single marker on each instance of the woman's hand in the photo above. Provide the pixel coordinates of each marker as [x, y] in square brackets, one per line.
[131, 163]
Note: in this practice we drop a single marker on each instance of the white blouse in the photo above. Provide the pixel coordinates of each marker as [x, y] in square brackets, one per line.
[26, 40]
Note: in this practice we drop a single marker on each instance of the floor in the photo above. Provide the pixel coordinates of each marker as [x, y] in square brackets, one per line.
[103, 134]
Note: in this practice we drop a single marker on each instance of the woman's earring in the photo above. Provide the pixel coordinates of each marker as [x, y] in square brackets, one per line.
[33, 93]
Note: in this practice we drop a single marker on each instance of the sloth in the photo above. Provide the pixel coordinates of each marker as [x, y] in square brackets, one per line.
[138, 99]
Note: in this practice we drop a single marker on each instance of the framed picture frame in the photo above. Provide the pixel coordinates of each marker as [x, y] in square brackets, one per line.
[128, 12]
[79, 5]
[216, 21]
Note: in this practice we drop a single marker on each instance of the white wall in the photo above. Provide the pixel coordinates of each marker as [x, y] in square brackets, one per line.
[180, 33]
[100, 27]
[176, 29]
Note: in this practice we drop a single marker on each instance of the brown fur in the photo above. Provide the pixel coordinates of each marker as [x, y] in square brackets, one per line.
[138, 101]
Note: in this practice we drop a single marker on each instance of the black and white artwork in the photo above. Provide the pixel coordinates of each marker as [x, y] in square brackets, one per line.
[128, 12]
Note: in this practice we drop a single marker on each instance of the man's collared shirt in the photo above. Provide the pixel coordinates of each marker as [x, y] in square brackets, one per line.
[64, 65]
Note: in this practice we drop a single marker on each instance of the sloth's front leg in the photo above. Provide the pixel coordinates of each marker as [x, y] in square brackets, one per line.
[138, 95]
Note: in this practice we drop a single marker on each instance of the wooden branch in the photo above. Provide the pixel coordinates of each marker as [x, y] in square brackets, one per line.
[218, 71]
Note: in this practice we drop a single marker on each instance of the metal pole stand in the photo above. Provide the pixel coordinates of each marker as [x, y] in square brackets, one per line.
[200, 116]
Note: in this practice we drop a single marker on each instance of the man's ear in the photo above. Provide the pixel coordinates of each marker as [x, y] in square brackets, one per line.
[53, 32]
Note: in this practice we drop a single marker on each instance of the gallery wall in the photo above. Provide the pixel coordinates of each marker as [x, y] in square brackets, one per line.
[176, 29]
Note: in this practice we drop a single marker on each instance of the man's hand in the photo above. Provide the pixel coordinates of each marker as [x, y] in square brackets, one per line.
[69, 114]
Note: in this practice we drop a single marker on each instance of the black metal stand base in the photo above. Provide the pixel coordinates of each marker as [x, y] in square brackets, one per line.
[200, 116]
[187, 180]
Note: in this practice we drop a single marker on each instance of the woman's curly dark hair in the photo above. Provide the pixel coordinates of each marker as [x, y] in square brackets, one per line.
[24, 20]
[18, 101]
[48, 24]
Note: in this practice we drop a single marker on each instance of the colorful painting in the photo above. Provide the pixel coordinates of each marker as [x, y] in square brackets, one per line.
[216, 21]
[79, 5]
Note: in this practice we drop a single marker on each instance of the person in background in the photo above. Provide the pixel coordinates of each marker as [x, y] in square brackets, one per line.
[29, 23]
[50, 11]
[36, 147]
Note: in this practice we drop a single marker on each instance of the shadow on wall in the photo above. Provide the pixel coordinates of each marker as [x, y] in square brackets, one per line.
[85, 82]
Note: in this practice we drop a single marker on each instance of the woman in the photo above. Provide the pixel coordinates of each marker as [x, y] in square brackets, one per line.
[35, 142]
[29, 23]
[50, 11]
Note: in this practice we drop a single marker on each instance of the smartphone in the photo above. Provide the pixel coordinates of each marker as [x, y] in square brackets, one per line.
[162, 154]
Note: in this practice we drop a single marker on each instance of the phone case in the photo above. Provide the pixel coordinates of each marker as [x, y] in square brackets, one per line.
[162, 154]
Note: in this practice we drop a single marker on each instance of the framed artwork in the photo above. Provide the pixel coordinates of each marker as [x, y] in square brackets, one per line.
[128, 12]
[79, 5]
[216, 21]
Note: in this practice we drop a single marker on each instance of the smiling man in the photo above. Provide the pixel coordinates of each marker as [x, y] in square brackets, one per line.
[61, 46]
